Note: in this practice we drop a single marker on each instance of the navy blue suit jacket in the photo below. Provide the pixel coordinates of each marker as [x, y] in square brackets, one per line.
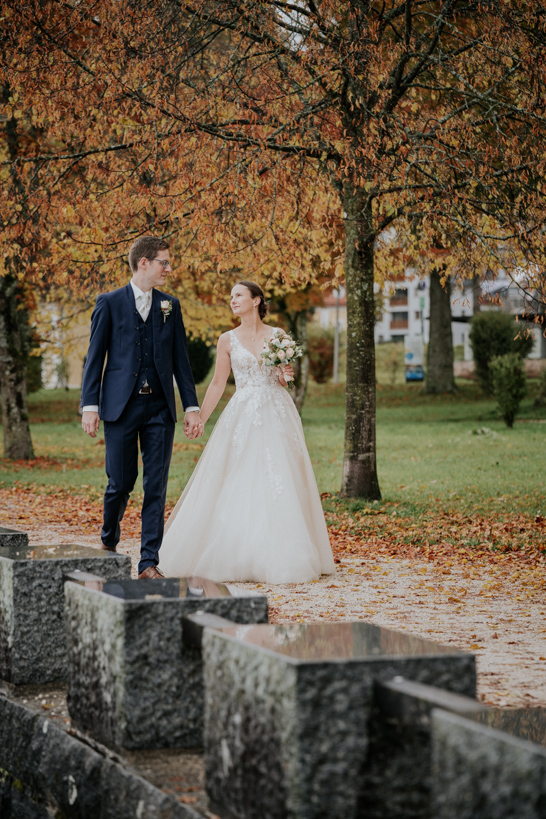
[114, 336]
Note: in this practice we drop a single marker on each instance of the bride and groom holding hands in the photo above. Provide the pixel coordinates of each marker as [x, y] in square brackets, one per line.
[251, 509]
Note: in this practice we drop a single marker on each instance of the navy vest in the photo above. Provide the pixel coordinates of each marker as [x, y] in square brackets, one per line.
[147, 370]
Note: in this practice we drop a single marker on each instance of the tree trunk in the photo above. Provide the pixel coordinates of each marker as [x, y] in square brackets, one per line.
[359, 458]
[439, 377]
[297, 327]
[15, 339]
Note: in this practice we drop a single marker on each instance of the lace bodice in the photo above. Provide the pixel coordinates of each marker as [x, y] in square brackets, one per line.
[257, 386]
[248, 372]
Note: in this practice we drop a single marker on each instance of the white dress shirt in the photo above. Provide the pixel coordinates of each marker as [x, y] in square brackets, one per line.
[143, 303]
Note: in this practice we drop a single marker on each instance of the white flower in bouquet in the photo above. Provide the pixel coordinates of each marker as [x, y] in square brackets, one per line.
[281, 349]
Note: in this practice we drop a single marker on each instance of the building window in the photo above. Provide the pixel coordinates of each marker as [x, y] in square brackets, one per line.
[399, 320]
[399, 298]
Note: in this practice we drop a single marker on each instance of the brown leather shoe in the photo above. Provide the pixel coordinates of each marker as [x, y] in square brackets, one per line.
[151, 573]
[108, 548]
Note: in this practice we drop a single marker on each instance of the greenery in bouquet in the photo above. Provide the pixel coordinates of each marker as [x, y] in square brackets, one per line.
[278, 351]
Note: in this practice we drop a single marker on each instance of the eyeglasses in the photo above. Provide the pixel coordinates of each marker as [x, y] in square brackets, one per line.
[163, 262]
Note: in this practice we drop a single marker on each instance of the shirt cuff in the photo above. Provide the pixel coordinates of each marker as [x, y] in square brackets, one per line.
[191, 409]
[90, 408]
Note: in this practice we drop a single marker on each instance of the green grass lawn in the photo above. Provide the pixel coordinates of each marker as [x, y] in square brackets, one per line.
[447, 451]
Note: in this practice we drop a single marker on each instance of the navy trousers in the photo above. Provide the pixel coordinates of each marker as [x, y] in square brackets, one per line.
[146, 417]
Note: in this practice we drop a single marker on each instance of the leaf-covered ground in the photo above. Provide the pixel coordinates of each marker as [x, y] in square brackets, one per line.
[456, 550]
[471, 581]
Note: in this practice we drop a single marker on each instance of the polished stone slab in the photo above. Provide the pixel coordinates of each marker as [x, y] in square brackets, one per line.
[133, 683]
[492, 766]
[32, 628]
[288, 711]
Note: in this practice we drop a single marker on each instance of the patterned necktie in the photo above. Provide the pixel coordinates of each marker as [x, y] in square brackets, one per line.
[145, 304]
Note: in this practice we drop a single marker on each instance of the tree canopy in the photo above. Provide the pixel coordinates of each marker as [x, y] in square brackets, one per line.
[249, 131]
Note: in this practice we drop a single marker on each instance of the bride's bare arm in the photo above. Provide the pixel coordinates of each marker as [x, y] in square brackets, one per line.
[219, 380]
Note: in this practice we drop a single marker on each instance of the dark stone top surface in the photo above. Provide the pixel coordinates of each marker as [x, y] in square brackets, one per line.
[45, 552]
[196, 588]
[336, 641]
[5, 531]
[524, 723]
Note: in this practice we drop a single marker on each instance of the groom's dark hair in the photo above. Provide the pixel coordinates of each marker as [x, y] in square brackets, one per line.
[145, 247]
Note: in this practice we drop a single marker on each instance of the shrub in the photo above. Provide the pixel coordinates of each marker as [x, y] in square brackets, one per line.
[540, 400]
[201, 356]
[321, 356]
[509, 384]
[494, 334]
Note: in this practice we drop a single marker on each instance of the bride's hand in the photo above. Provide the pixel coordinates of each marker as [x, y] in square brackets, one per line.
[284, 371]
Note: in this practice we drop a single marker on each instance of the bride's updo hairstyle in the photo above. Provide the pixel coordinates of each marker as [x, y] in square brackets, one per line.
[257, 292]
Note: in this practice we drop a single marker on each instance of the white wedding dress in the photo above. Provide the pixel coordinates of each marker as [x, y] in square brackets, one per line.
[251, 510]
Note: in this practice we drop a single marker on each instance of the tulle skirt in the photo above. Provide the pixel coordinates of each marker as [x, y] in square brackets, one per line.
[251, 510]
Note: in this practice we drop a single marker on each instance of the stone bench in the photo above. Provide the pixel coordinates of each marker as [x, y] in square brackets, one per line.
[133, 683]
[288, 709]
[32, 627]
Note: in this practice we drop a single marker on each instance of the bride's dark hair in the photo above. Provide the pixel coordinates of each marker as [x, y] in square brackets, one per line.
[256, 291]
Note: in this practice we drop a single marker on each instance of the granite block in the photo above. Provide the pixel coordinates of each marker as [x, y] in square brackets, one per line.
[396, 779]
[287, 711]
[32, 628]
[480, 772]
[12, 537]
[133, 683]
[46, 772]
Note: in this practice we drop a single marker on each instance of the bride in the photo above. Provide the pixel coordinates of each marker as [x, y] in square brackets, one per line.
[251, 510]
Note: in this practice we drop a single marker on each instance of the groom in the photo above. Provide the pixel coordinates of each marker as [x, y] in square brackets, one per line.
[140, 333]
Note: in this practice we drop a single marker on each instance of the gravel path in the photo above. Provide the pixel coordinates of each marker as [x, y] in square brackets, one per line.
[497, 613]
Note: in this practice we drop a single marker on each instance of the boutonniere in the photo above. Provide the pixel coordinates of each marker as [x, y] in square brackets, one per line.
[166, 309]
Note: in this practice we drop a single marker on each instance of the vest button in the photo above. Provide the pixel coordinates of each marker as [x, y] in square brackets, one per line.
[135, 374]
[139, 359]
[138, 343]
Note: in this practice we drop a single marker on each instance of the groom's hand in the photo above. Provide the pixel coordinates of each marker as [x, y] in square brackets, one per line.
[90, 423]
[193, 427]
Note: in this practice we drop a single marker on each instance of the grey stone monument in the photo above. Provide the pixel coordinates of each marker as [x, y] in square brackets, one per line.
[287, 711]
[492, 766]
[396, 780]
[32, 628]
[12, 537]
[133, 683]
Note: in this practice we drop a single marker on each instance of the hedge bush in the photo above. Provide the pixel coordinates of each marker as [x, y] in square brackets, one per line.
[201, 356]
[493, 334]
[509, 384]
[321, 355]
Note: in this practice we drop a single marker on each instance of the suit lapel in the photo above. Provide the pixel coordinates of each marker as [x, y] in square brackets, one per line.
[155, 315]
[130, 296]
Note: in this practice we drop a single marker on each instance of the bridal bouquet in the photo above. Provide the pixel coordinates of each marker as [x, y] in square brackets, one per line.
[279, 350]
